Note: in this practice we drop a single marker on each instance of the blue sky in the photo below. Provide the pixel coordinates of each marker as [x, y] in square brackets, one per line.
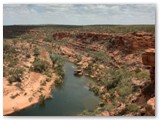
[78, 14]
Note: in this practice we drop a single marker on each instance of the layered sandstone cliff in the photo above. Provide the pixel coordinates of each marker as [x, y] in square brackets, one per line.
[148, 58]
[126, 42]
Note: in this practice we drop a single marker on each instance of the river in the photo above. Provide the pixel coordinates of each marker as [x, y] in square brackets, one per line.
[70, 99]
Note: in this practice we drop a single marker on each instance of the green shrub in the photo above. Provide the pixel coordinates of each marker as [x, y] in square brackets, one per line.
[100, 56]
[47, 40]
[48, 79]
[59, 70]
[16, 75]
[132, 108]
[36, 52]
[124, 90]
[143, 75]
[58, 64]
[79, 58]
[4, 71]
[40, 65]
[8, 48]
[111, 41]
[118, 76]
[48, 74]
[57, 59]
[14, 96]
[112, 83]
[58, 81]
[19, 86]
[43, 83]
[13, 62]
[28, 56]
[137, 70]
[94, 89]
[41, 99]
[11, 65]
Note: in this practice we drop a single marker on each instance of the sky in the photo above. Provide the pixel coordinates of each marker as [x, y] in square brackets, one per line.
[78, 14]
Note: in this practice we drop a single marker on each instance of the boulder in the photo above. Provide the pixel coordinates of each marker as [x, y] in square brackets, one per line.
[148, 57]
[78, 72]
[105, 113]
[151, 106]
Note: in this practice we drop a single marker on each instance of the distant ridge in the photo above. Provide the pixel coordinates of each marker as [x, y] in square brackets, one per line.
[79, 25]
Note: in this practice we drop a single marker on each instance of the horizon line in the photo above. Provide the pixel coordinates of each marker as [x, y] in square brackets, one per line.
[71, 24]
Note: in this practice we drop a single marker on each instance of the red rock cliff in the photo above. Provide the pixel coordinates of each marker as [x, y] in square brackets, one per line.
[148, 58]
[126, 42]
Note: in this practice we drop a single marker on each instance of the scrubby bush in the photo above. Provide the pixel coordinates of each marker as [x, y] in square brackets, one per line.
[13, 62]
[124, 90]
[94, 89]
[112, 83]
[4, 71]
[58, 64]
[14, 96]
[28, 56]
[8, 48]
[48, 74]
[111, 42]
[48, 79]
[41, 99]
[58, 81]
[36, 52]
[79, 58]
[132, 108]
[43, 83]
[59, 70]
[16, 75]
[19, 86]
[100, 57]
[40, 65]
[56, 59]
[47, 40]
[118, 77]
[143, 75]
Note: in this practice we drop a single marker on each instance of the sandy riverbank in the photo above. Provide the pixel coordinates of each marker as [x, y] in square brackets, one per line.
[32, 89]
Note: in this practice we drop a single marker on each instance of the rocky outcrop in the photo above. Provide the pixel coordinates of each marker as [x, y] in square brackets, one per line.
[118, 110]
[78, 72]
[61, 35]
[150, 108]
[125, 42]
[148, 58]
[105, 113]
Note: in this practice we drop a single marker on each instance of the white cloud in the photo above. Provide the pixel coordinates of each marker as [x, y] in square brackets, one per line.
[79, 14]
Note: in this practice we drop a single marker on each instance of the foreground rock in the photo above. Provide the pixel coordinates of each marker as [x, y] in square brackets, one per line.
[151, 106]
[148, 58]
[78, 72]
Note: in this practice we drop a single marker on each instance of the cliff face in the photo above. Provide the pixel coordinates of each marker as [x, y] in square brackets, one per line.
[148, 58]
[126, 42]
[116, 45]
